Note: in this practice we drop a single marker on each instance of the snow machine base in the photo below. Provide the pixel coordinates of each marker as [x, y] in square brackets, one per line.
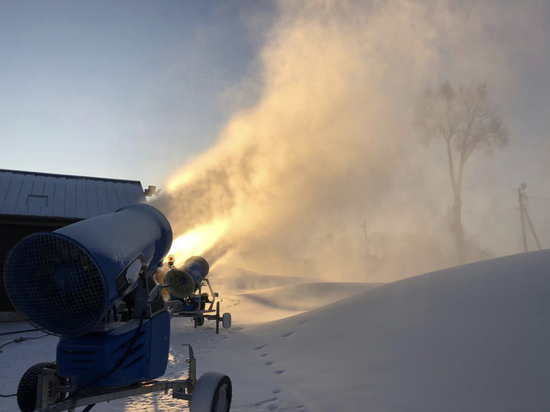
[200, 315]
[202, 395]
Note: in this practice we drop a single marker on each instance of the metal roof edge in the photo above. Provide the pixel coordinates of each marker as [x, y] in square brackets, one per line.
[23, 172]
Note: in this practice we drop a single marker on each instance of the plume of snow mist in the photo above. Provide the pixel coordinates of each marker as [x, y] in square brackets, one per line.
[327, 146]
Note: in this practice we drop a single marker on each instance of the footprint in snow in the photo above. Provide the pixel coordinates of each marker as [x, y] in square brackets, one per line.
[263, 355]
[266, 401]
[280, 371]
[275, 391]
[260, 347]
[269, 363]
[272, 407]
[286, 335]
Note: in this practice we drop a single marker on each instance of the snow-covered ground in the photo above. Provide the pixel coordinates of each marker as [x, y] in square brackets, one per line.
[471, 338]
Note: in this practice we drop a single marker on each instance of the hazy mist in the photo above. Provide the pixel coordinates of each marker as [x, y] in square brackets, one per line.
[322, 174]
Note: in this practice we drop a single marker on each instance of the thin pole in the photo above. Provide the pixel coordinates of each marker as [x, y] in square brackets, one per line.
[520, 199]
[531, 226]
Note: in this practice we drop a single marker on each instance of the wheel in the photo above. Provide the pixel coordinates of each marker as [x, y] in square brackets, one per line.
[213, 393]
[28, 387]
[226, 320]
[199, 321]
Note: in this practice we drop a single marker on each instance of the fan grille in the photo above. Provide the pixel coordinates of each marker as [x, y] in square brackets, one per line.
[181, 283]
[55, 284]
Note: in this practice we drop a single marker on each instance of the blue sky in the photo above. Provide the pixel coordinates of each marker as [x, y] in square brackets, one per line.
[135, 89]
[124, 89]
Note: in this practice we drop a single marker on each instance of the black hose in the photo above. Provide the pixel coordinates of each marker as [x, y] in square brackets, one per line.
[19, 340]
[19, 331]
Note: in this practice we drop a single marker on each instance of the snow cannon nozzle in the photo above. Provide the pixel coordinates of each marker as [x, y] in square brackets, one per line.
[185, 281]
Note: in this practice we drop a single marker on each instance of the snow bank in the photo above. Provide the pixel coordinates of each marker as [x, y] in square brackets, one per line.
[470, 338]
[238, 280]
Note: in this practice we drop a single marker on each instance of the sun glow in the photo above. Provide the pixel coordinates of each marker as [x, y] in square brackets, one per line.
[197, 241]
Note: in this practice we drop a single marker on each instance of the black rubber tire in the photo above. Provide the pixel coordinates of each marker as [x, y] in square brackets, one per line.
[206, 396]
[226, 320]
[199, 321]
[26, 391]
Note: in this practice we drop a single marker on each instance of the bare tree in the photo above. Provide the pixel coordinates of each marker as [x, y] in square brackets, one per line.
[465, 120]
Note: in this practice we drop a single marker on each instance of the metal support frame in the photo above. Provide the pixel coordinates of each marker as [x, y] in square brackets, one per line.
[207, 313]
[181, 389]
[218, 317]
[214, 295]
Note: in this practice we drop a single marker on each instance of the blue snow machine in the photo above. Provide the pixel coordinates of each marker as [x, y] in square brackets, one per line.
[187, 298]
[70, 282]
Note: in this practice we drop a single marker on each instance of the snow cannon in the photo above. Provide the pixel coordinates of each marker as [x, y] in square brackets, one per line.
[185, 281]
[187, 297]
[66, 281]
[93, 284]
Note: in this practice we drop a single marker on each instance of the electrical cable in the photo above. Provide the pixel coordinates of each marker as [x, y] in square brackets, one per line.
[493, 216]
[538, 198]
[19, 340]
[19, 331]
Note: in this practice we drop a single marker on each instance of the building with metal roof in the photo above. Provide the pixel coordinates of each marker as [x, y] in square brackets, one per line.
[33, 202]
[62, 196]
